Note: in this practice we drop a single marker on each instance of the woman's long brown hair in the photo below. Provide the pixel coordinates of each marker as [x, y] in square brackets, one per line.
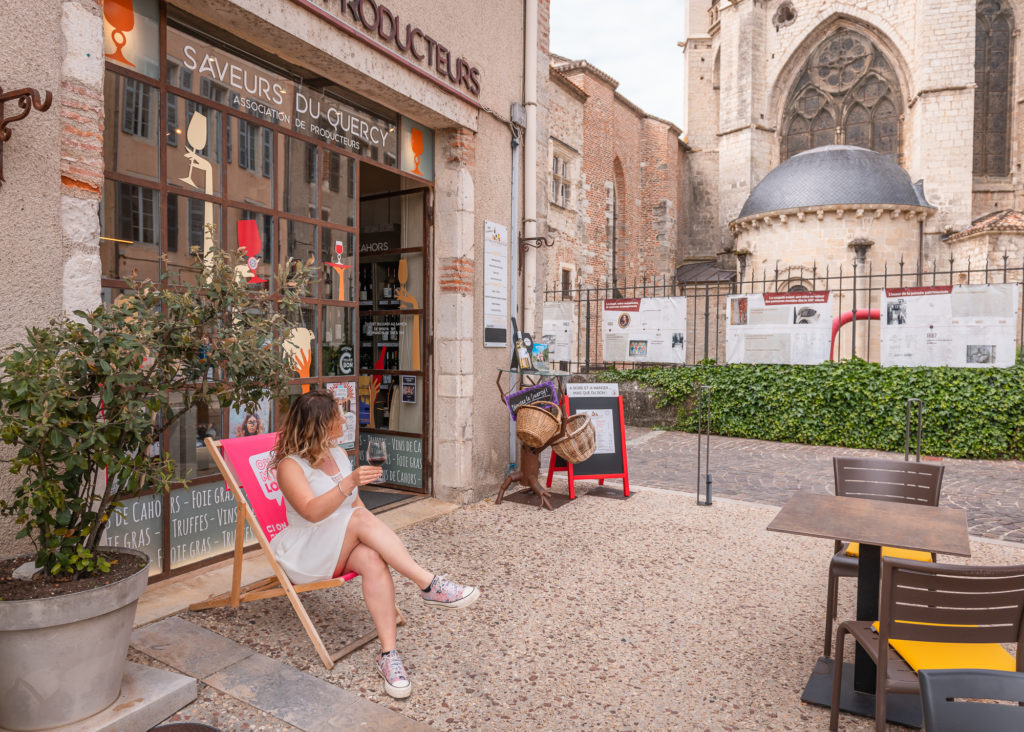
[307, 427]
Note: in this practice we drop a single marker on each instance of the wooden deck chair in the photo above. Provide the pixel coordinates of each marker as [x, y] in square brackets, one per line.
[246, 467]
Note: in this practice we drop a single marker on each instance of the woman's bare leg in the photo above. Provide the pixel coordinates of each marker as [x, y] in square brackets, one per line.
[378, 592]
[365, 528]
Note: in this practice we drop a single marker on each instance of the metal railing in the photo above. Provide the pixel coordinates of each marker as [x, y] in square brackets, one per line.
[855, 288]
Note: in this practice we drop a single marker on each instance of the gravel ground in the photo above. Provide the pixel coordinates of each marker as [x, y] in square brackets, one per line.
[651, 613]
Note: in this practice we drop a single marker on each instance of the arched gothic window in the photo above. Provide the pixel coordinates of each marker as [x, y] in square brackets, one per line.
[847, 93]
[993, 54]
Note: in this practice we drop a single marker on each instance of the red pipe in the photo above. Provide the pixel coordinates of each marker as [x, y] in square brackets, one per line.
[843, 319]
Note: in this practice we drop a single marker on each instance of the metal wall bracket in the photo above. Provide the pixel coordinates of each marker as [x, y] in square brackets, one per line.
[531, 241]
[26, 99]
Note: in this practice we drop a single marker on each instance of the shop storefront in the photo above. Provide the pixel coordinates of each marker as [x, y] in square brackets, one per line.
[369, 140]
[211, 143]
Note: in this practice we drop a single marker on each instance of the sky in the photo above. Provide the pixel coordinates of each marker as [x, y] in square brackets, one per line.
[634, 43]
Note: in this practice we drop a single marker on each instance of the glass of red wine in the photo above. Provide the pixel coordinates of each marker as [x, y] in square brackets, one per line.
[376, 453]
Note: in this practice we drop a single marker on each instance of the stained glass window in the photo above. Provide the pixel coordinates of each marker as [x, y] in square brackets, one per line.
[992, 63]
[847, 93]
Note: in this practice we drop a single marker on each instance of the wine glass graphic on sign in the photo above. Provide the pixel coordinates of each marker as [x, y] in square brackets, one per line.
[377, 454]
[195, 135]
[121, 15]
[416, 141]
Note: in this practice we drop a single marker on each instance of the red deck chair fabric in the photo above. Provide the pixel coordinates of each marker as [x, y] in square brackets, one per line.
[246, 467]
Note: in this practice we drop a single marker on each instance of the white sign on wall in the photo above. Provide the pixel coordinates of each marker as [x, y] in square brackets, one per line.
[779, 327]
[650, 329]
[970, 326]
[495, 285]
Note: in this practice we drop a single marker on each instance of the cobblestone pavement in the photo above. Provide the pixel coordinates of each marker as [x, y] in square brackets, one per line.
[991, 491]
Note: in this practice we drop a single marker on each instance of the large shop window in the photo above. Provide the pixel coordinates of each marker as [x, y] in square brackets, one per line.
[211, 147]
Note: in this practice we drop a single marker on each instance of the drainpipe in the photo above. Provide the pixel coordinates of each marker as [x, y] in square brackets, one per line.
[513, 295]
[530, 167]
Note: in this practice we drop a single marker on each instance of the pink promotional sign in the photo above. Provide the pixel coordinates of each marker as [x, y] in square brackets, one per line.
[251, 459]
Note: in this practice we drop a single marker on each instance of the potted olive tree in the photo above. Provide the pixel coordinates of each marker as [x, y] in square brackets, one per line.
[83, 402]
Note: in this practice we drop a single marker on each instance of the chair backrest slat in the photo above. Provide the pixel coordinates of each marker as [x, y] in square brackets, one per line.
[947, 603]
[888, 480]
[942, 598]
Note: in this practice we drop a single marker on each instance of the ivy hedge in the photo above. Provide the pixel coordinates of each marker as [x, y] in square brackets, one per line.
[968, 413]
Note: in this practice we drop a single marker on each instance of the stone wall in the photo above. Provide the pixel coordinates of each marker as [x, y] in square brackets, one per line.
[53, 165]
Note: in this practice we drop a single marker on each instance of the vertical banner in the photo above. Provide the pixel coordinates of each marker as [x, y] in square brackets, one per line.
[649, 329]
[495, 285]
[779, 327]
[559, 330]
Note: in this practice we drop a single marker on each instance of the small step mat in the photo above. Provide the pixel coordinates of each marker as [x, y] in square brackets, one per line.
[377, 499]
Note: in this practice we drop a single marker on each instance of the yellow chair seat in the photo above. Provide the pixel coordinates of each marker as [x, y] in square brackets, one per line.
[853, 550]
[924, 655]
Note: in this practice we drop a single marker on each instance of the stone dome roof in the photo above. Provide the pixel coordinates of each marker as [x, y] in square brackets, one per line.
[834, 175]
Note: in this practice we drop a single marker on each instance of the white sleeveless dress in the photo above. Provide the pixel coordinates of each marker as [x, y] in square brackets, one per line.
[308, 552]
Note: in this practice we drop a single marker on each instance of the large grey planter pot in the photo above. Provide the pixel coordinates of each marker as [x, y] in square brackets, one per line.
[63, 657]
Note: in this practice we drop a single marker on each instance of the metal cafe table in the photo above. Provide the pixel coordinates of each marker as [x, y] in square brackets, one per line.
[874, 524]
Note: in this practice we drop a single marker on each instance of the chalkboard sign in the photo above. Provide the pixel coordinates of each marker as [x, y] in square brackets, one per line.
[546, 391]
[203, 522]
[609, 459]
[404, 465]
[139, 524]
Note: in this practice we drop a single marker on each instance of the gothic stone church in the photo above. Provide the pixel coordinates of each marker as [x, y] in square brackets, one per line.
[815, 123]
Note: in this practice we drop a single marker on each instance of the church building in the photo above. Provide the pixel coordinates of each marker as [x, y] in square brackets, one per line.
[822, 133]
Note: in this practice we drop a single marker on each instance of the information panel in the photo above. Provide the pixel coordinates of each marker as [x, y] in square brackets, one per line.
[970, 326]
[649, 329]
[779, 327]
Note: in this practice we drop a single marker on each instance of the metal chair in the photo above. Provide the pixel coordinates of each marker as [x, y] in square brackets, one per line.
[945, 694]
[877, 480]
[963, 607]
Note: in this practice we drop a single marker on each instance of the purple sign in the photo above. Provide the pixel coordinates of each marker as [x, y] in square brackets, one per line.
[546, 391]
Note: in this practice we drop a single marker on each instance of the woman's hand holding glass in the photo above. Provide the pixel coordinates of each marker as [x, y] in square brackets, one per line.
[360, 476]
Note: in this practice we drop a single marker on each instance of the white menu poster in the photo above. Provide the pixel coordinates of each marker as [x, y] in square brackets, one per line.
[559, 329]
[604, 430]
[779, 327]
[970, 326]
[495, 285]
[649, 329]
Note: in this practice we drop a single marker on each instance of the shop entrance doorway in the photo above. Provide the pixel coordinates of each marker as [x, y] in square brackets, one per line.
[393, 347]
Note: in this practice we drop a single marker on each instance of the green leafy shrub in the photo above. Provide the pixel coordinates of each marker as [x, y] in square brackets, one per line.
[968, 413]
[84, 399]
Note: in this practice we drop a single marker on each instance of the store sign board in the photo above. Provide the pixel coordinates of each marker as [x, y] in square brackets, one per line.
[278, 100]
[381, 25]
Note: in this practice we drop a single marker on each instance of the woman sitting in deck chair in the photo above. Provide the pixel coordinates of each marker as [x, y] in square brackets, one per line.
[331, 532]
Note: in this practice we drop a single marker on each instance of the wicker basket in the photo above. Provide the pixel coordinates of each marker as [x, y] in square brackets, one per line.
[579, 442]
[535, 425]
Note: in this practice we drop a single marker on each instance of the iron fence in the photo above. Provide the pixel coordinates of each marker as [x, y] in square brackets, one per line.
[856, 289]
